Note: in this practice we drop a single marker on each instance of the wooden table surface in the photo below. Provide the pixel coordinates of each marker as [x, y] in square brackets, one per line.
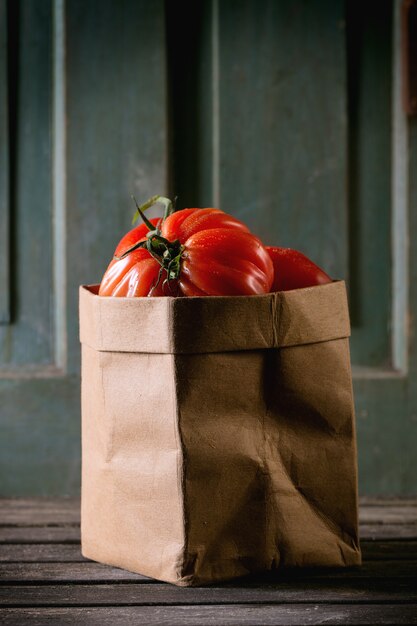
[45, 580]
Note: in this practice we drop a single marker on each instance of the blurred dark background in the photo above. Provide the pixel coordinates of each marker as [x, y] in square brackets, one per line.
[287, 113]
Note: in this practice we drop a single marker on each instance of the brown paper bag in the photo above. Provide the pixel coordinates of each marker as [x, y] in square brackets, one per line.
[218, 433]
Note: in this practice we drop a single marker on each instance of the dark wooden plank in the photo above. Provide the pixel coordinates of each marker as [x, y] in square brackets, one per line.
[39, 511]
[64, 572]
[365, 503]
[40, 534]
[95, 572]
[400, 514]
[388, 531]
[65, 534]
[40, 520]
[67, 510]
[71, 552]
[4, 173]
[41, 552]
[231, 615]
[369, 570]
[304, 592]
[386, 502]
[382, 518]
[396, 550]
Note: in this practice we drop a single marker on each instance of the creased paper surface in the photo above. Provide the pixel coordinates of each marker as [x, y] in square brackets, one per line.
[222, 450]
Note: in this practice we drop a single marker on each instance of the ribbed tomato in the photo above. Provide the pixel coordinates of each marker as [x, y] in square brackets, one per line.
[193, 252]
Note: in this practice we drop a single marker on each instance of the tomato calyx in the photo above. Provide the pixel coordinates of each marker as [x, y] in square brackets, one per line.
[167, 253]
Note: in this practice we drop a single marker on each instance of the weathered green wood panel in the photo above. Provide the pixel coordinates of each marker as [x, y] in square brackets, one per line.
[278, 103]
[369, 45]
[117, 130]
[278, 111]
[267, 123]
[4, 172]
[115, 85]
[40, 436]
[282, 123]
[250, 126]
[29, 340]
[383, 428]
[387, 403]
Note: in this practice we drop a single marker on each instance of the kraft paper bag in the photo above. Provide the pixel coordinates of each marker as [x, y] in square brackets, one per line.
[218, 434]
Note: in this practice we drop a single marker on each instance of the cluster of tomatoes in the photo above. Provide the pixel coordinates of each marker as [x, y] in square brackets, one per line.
[202, 252]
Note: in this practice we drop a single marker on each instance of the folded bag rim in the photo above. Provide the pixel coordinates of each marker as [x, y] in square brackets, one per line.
[208, 324]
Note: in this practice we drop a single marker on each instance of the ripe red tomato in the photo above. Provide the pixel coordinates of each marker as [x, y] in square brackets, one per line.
[293, 270]
[135, 274]
[196, 252]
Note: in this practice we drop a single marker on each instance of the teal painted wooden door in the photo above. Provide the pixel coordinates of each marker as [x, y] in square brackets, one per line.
[286, 114]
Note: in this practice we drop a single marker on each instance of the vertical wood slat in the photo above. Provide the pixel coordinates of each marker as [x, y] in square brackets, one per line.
[29, 342]
[408, 71]
[4, 173]
[369, 55]
[399, 203]
[282, 119]
[59, 185]
[116, 137]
